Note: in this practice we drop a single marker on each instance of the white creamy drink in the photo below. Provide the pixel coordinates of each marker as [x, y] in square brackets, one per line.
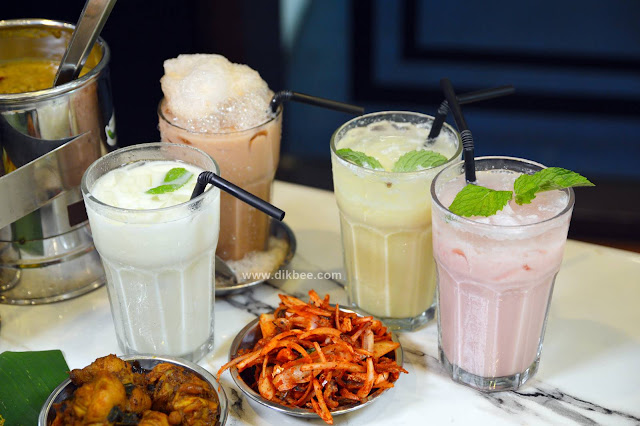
[127, 186]
[158, 253]
[385, 216]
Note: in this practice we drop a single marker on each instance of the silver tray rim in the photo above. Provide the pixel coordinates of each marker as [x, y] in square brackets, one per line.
[279, 230]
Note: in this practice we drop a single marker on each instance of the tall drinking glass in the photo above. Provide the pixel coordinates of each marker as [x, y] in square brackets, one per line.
[496, 275]
[385, 217]
[159, 262]
[250, 162]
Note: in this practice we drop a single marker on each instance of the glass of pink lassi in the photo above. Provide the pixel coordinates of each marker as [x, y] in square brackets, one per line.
[496, 275]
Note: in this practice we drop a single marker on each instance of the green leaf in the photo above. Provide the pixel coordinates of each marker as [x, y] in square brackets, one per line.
[359, 158]
[527, 186]
[176, 173]
[26, 381]
[163, 189]
[419, 160]
[474, 200]
[178, 177]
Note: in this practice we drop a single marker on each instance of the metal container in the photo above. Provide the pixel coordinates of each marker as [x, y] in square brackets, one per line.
[246, 340]
[48, 255]
[65, 390]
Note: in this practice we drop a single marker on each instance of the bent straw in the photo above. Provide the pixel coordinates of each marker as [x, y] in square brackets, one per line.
[467, 98]
[465, 133]
[205, 178]
[288, 95]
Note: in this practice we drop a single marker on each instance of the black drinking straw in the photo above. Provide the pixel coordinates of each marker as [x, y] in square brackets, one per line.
[288, 95]
[467, 98]
[465, 133]
[205, 178]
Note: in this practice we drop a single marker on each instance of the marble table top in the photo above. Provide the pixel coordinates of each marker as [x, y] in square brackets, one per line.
[589, 372]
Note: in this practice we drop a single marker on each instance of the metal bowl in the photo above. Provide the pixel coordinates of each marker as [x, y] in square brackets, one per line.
[246, 339]
[65, 390]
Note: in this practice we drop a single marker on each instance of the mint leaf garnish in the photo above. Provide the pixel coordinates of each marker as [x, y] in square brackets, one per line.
[474, 200]
[419, 159]
[176, 173]
[359, 158]
[174, 179]
[527, 186]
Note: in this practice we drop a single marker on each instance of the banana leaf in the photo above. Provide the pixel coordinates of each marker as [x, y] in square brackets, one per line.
[26, 381]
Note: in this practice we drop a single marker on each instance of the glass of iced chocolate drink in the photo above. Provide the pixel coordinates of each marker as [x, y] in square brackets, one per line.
[223, 109]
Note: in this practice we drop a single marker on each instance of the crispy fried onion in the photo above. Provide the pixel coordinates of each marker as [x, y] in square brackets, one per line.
[318, 357]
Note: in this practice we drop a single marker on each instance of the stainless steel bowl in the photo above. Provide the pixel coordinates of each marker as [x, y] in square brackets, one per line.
[280, 230]
[247, 338]
[147, 362]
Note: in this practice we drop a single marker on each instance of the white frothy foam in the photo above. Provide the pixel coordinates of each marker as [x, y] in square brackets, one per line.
[207, 93]
[126, 186]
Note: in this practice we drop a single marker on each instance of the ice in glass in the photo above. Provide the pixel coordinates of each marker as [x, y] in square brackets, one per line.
[496, 275]
[223, 109]
[157, 248]
[385, 216]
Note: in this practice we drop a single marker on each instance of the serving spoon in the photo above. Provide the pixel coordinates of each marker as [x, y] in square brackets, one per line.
[92, 19]
[223, 270]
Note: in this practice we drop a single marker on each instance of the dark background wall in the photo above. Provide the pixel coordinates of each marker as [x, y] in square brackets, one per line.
[142, 34]
[575, 65]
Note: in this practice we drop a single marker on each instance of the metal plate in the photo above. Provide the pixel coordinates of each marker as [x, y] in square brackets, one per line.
[279, 230]
[249, 335]
[65, 390]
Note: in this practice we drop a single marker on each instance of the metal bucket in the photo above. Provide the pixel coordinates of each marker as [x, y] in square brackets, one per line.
[48, 255]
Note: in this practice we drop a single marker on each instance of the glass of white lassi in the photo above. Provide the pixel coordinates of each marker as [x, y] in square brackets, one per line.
[385, 213]
[496, 275]
[157, 246]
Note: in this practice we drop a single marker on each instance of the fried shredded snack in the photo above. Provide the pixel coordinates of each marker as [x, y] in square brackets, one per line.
[111, 391]
[316, 356]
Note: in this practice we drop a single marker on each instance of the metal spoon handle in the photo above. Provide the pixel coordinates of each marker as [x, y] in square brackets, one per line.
[92, 19]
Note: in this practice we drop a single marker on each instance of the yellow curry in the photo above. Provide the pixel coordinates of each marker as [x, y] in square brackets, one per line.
[29, 75]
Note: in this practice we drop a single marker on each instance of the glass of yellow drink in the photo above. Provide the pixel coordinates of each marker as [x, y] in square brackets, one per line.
[385, 215]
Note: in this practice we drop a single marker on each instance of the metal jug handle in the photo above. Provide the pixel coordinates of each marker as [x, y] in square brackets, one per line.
[36, 183]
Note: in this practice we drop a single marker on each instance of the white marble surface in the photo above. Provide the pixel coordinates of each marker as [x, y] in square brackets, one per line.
[589, 374]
